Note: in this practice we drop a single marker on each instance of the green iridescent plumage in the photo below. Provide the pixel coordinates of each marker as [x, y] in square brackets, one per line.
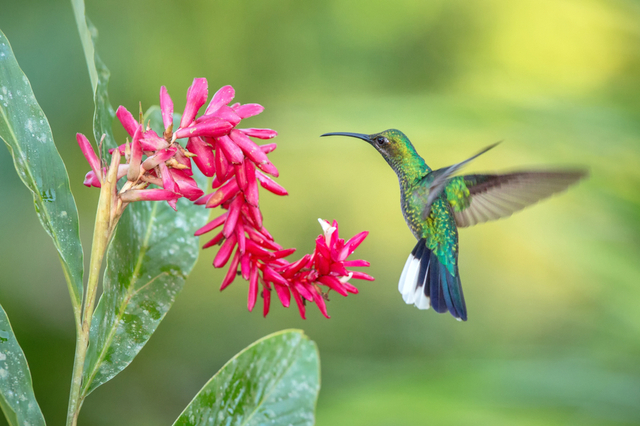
[435, 203]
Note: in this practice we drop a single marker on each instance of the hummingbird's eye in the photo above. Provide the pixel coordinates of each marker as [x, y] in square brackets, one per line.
[381, 140]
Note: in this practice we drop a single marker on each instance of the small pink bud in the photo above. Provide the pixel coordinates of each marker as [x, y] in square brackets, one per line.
[249, 110]
[91, 179]
[166, 107]
[225, 252]
[196, 97]
[224, 193]
[150, 141]
[212, 127]
[260, 133]
[230, 150]
[266, 299]
[90, 155]
[227, 114]
[212, 225]
[251, 150]
[270, 185]
[321, 305]
[187, 186]
[160, 157]
[203, 200]
[232, 272]
[222, 97]
[204, 156]
[269, 168]
[283, 294]
[232, 219]
[268, 147]
[214, 241]
[129, 123]
[253, 287]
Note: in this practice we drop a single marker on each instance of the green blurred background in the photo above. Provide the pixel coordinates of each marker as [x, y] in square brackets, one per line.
[553, 293]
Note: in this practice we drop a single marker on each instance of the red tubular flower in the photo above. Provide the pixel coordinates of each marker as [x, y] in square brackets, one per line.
[238, 166]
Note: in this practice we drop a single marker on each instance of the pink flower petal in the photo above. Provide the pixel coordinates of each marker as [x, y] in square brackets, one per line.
[90, 155]
[352, 244]
[203, 200]
[126, 119]
[150, 141]
[225, 252]
[242, 239]
[333, 284]
[269, 168]
[283, 294]
[249, 110]
[232, 272]
[320, 302]
[356, 263]
[224, 193]
[241, 176]
[160, 157]
[222, 165]
[251, 191]
[253, 287]
[166, 107]
[270, 185]
[196, 97]
[205, 159]
[245, 266]
[268, 147]
[91, 179]
[212, 225]
[230, 150]
[213, 127]
[300, 303]
[232, 219]
[214, 241]
[187, 186]
[167, 179]
[260, 133]
[357, 275]
[227, 114]
[251, 150]
[266, 300]
[223, 96]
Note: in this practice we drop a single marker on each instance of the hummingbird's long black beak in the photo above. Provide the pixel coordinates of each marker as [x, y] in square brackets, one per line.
[353, 135]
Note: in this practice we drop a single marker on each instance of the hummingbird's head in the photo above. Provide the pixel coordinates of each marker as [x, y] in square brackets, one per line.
[394, 146]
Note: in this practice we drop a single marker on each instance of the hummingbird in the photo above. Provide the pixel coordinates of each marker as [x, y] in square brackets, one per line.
[435, 203]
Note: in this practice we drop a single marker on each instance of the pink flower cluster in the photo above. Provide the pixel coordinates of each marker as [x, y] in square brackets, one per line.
[237, 165]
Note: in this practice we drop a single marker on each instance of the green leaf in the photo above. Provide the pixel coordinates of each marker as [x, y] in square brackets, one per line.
[17, 400]
[25, 130]
[99, 76]
[151, 254]
[274, 381]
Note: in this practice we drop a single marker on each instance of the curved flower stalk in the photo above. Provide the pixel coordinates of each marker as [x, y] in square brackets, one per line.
[226, 153]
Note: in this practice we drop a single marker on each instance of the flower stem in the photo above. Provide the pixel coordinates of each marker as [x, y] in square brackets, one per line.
[103, 229]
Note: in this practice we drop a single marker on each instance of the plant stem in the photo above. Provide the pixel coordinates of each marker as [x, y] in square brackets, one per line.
[103, 229]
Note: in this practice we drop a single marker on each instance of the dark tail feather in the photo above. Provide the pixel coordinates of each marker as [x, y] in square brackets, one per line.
[426, 282]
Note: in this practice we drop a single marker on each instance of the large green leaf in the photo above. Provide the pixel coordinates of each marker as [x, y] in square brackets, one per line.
[99, 76]
[25, 130]
[16, 391]
[274, 381]
[148, 261]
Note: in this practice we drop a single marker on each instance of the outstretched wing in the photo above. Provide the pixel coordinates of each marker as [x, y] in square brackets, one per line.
[491, 197]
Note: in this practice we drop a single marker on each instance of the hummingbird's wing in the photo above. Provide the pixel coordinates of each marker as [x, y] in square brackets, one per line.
[441, 177]
[481, 198]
